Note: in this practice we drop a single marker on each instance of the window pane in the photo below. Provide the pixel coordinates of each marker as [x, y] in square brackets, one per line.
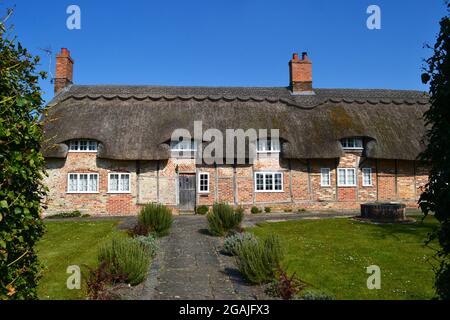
[92, 145]
[83, 145]
[351, 176]
[203, 182]
[367, 176]
[72, 182]
[83, 185]
[73, 145]
[325, 177]
[341, 176]
[269, 181]
[259, 181]
[93, 182]
[124, 182]
[358, 143]
[278, 183]
[114, 182]
[275, 145]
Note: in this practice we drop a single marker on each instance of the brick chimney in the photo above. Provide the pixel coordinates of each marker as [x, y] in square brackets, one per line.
[300, 72]
[64, 70]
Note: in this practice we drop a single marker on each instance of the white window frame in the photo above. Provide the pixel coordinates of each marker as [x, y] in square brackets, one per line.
[346, 175]
[273, 173]
[354, 142]
[266, 148]
[78, 181]
[77, 142]
[364, 172]
[326, 171]
[120, 176]
[200, 174]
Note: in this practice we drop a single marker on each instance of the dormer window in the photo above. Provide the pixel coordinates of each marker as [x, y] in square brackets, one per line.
[183, 145]
[352, 143]
[83, 145]
[268, 146]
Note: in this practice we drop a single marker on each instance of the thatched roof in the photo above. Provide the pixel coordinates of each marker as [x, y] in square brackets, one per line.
[136, 122]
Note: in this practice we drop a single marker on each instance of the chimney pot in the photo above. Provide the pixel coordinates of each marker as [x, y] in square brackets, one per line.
[295, 56]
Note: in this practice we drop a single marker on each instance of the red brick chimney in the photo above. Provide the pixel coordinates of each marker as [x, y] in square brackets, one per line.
[300, 72]
[64, 70]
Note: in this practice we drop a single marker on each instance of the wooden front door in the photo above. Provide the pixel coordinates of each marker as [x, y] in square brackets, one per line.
[186, 187]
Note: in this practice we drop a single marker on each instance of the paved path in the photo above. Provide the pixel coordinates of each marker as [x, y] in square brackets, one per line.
[190, 266]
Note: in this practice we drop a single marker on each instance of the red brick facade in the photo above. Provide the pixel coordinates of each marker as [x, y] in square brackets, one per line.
[392, 180]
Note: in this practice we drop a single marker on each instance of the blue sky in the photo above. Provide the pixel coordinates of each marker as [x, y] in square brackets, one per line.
[233, 43]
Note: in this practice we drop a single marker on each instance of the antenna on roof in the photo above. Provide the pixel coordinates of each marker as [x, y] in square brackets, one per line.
[48, 51]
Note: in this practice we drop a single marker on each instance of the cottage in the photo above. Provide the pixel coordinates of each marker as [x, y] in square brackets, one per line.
[110, 149]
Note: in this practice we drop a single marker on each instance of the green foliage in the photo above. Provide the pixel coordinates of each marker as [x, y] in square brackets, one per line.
[149, 243]
[258, 261]
[202, 210]
[267, 209]
[70, 214]
[233, 242]
[255, 210]
[287, 210]
[223, 218]
[22, 168]
[314, 294]
[126, 256]
[157, 217]
[301, 210]
[436, 196]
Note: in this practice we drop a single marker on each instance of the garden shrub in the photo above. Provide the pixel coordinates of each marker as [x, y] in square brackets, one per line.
[157, 217]
[202, 209]
[125, 256]
[232, 243]
[255, 210]
[139, 230]
[267, 209]
[223, 218]
[258, 261]
[69, 214]
[301, 210]
[287, 210]
[22, 166]
[149, 243]
[314, 294]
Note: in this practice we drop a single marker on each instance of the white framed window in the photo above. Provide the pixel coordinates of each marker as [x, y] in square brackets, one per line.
[82, 183]
[268, 182]
[203, 182]
[325, 178]
[118, 182]
[268, 146]
[346, 177]
[352, 143]
[183, 145]
[83, 146]
[367, 177]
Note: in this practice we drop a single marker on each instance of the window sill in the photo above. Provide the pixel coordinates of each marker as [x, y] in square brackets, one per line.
[82, 192]
[347, 186]
[82, 151]
[118, 192]
[269, 191]
[203, 193]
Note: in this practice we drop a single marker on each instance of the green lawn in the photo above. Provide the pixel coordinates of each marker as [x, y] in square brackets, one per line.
[332, 255]
[69, 243]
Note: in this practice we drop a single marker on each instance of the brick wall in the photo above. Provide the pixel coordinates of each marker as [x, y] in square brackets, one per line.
[156, 181]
